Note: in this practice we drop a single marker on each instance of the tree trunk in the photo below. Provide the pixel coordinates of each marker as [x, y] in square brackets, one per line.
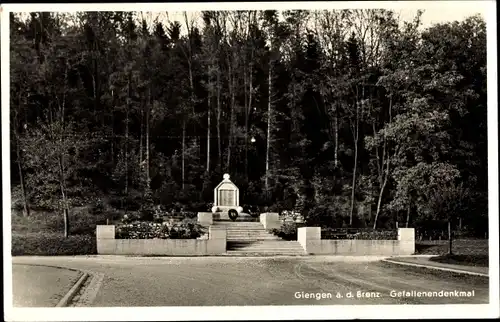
[63, 195]
[208, 133]
[247, 116]
[183, 151]
[379, 202]
[268, 143]
[385, 159]
[26, 211]
[408, 211]
[141, 136]
[148, 111]
[26, 207]
[218, 121]
[450, 252]
[231, 113]
[113, 129]
[336, 123]
[62, 180]
[126, 134]
[356, 137]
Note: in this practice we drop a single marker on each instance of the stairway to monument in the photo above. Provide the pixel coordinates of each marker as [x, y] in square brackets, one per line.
[245, 238]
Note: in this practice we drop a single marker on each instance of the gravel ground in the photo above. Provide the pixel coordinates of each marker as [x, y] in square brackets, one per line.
[202, 281]
[41, 286]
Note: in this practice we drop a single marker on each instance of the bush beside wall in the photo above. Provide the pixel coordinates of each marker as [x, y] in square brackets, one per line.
[186, 229]
[52, 244]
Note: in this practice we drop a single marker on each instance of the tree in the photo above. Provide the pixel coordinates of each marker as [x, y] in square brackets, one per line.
[355, 114]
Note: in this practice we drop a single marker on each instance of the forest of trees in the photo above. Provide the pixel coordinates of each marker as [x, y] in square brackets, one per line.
[355, 118]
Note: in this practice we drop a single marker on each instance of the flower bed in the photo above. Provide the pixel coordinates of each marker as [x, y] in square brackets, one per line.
[287, 231]
[332, 233]
[185, 229]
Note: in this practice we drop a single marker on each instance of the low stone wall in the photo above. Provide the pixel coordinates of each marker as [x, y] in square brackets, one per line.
[310, 239]
[108, 245]
[270, 220]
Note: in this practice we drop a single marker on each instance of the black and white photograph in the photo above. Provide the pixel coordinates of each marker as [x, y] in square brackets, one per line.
[256, 161]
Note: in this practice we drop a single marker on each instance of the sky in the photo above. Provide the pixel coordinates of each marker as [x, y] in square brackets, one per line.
[434, 11]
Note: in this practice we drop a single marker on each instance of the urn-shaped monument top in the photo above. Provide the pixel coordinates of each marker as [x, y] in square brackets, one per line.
[226, 196]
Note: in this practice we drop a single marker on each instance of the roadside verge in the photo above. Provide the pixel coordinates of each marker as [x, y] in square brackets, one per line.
[426, 263]
[38, 285]
[73, 291]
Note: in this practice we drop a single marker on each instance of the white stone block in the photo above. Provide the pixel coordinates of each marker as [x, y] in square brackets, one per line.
[406, 234]
[217, 232]
[270, 220]
[205, 218]
[105, 232]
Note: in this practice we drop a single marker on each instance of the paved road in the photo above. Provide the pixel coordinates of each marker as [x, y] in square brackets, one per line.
[135, 281]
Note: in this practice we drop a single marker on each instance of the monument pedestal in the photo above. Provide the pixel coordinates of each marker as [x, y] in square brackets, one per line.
[224, 216]
[226, 197]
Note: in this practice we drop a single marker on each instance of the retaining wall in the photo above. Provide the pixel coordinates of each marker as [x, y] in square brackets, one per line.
[310, 239]
[108, 245]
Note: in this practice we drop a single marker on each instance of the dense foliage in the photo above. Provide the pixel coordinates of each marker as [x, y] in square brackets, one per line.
[48, 244]
[186, 229]
[353, 118]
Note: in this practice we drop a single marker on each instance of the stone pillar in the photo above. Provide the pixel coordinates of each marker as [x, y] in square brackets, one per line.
[205, 218]
[406, 238]
[306, 235]
[105, 239]
[105, 232]
[270, 220]
[217, 239]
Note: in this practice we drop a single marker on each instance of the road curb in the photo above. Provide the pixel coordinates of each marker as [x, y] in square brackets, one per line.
[436, 268]
[72, 292]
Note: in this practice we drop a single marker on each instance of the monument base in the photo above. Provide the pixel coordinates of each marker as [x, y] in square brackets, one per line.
[224, 216]
[216, 209]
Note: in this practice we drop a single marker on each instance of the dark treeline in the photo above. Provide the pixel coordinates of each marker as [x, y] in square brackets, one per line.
[351, 117]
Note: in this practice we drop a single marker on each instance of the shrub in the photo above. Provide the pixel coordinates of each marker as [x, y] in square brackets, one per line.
[82, 221]
[186, 229]
[141, 230]
[52, 244]
[332, 233]
[287, 231]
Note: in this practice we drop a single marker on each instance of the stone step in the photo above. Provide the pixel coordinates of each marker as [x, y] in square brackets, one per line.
[262, 254]
[252, 238]
[264, 249]
[267, 250]
[246, 229]
[248, 233]
[238, 224]
[273, 243]
[265, 244]
[255, 236]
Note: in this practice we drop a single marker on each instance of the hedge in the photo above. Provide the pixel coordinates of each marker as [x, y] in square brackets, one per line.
[53, 244]
[288, 231]
[361, 234]
[186, 229]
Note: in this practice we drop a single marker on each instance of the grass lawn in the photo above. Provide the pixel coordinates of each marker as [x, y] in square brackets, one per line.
[41, 286]
[459, 247]
[470, 252]
[42, 233]
[468, 260]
